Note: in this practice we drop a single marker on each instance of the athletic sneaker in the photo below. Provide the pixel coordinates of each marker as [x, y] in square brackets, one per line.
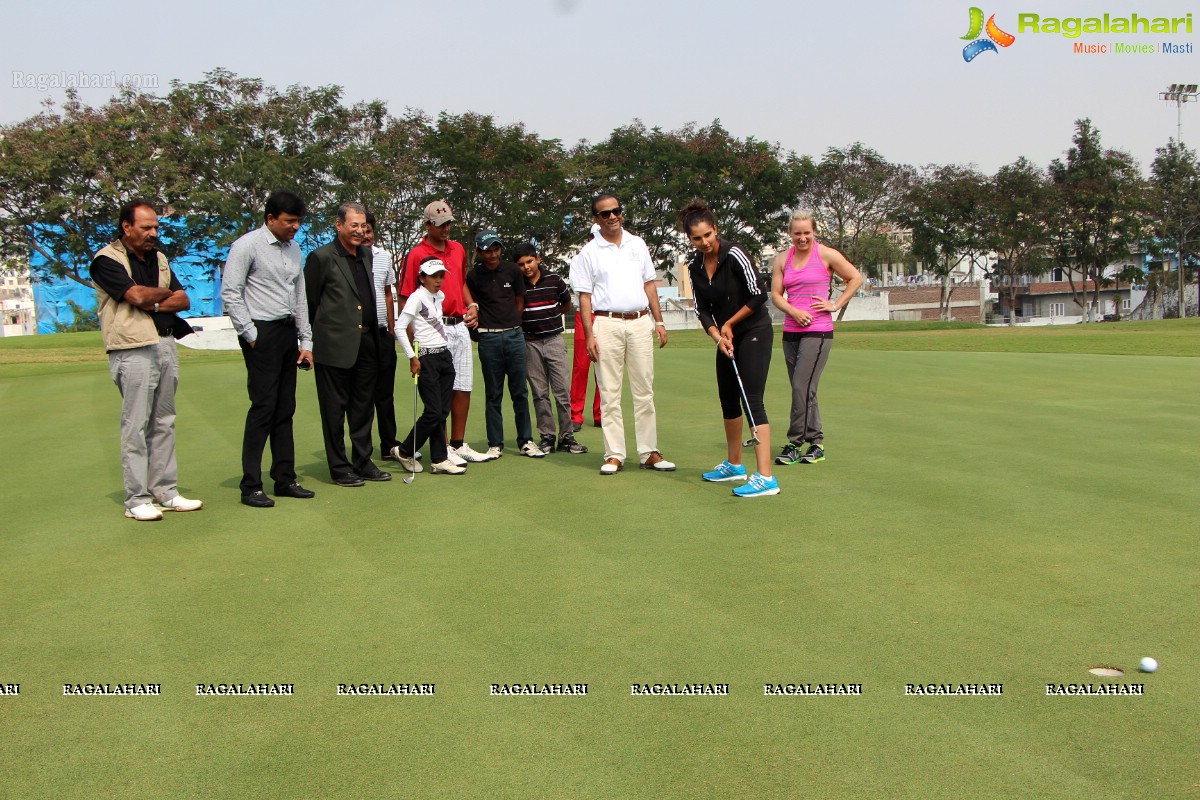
[493, 452]
[447, 467]
[567, 444]
[409, 463]
[790, 455]
[453, 457]
[814, 454]
[143, 513]
[547, 443]
[726, 472]
[758, 486]
[465, 452]
[181, 503]
[532, 450]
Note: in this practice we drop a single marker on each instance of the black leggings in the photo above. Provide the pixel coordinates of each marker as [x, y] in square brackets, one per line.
[752, 352]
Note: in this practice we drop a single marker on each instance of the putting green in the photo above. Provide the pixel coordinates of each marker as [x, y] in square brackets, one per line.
[982, 518]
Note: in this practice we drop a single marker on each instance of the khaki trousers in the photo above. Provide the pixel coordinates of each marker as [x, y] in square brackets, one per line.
[626, 344]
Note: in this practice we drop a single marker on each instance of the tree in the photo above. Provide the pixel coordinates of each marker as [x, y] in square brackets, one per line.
[1096, 211]
[749, 184]
[501, 177]
[1174, 201]
[855, 193]
[946, 211]
[236, 140]
[64, 174]
[1016, 226]
[390, 170]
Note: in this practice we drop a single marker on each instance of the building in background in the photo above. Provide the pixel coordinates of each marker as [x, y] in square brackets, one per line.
[18, 314]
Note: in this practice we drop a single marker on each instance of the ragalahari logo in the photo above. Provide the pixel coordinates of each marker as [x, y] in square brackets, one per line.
[994, 35]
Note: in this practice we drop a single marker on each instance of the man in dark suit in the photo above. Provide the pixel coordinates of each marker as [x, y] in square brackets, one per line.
[346, 346]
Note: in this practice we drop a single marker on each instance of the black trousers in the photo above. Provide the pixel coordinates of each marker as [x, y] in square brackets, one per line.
[271, 384]
[346, 396]
[385, 391]
[436, 386]
[752, 352]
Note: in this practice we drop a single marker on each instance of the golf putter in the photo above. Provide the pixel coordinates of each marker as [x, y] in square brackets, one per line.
[753, 427]
[408, 479]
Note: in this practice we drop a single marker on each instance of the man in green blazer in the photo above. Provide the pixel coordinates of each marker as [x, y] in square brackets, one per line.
[346, 346]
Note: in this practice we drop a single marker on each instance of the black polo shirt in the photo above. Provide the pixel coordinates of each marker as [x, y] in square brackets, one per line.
[364, 282]
[497, 291]
[111, 277]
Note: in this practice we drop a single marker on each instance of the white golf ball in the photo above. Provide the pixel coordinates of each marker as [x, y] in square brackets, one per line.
[1148, 664]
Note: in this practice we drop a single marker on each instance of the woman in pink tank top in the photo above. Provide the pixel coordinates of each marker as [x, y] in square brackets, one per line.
[800, 289]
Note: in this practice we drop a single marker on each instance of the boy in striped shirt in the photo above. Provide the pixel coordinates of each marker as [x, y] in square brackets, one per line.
[547, 365]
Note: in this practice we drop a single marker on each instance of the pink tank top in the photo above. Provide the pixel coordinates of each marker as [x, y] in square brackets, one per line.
[800, 284]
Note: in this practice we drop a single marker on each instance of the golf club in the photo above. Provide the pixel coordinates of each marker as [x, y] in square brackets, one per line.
[410, 478]
[753, 440]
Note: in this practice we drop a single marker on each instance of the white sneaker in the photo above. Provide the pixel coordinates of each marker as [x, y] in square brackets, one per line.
[532, 450]
[447, 468]
[181, 503]
[465, 452]
[454, 458]
[143, 513]
[409, 463]
[493, 453]
[394, 454]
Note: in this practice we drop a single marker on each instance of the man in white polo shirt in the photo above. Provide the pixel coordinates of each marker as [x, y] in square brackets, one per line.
[618, 300]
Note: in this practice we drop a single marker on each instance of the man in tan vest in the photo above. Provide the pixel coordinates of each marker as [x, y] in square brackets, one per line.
[137, 297]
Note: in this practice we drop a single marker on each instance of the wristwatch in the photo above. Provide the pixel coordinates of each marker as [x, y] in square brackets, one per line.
[156, 308]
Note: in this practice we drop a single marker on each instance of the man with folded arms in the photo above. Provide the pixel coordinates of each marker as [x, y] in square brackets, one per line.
[137, 297]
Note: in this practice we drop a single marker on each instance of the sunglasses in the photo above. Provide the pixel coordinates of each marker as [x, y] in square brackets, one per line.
[610, 212]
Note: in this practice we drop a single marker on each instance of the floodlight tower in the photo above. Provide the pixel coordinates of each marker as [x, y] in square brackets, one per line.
[1180, 93]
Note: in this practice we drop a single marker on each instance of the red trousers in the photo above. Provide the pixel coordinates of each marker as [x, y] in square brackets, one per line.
[580, 367]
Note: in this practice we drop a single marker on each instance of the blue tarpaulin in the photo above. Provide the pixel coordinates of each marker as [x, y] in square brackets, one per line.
[202, 282]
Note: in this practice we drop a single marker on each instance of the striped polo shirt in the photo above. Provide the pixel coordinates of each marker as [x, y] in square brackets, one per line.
[545, 303]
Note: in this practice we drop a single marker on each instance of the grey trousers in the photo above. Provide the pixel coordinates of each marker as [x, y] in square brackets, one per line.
[805, 362]
[548, 369]
[147, 377]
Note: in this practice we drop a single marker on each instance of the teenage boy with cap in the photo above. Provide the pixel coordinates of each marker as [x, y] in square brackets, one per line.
[499, 289]
[547, 298]
[458, 310]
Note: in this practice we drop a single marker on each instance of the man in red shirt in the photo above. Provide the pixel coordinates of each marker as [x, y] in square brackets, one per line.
[458, 309]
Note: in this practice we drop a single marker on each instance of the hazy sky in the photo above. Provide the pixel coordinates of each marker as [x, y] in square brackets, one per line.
[809, 76]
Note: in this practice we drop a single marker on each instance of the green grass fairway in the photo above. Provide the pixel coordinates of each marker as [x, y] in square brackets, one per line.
[997, 507]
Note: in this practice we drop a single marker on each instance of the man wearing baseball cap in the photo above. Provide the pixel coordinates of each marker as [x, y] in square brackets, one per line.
[458, 310]
[499, 287]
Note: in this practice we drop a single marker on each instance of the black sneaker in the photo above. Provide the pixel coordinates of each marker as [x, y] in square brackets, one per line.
[791, 454]
[568, 444]
[547, 443]
[814, 454]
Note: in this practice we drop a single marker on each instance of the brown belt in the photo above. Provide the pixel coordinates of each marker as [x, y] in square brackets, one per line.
[623, 314]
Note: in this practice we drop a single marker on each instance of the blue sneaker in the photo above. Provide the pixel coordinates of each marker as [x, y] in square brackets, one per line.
[726, 472]
[758, 486]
